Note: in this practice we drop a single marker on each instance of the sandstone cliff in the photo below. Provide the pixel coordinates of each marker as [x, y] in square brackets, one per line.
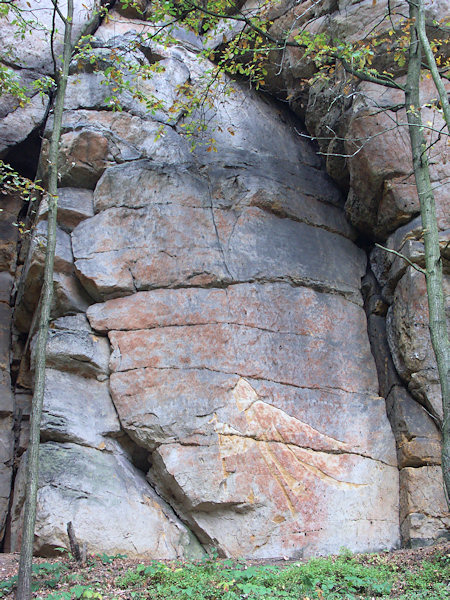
[232, 364]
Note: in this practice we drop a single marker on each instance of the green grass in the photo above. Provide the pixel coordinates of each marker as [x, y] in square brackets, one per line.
[345, 577]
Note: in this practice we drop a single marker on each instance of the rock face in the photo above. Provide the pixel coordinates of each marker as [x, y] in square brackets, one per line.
[210, 379]
[208, 382]
[355, 119]
[8, 259]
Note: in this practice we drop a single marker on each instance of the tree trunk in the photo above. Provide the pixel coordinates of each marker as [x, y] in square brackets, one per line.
[26, 550]
[433, 263]
[422, 33]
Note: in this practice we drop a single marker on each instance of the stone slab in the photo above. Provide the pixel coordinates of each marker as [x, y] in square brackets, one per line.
[112, 507]
[69, 395]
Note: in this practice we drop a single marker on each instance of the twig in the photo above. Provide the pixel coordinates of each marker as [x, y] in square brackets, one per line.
[413, 265]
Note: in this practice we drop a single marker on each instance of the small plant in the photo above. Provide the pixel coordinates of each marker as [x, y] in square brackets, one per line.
[7, 586]
[107, 559]
[343, 577]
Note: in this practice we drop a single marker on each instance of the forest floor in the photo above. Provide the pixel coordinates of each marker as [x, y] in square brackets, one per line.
[418, 574]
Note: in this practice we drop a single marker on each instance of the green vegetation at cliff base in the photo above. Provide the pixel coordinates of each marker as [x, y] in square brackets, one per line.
[405, 576]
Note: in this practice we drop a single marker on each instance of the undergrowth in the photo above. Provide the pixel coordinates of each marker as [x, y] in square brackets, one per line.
[345, 577]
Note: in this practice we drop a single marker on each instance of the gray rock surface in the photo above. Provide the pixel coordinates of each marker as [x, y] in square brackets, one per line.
[423, 515]
[6, 464]
[74, 205]
[112, 507]
[409, 340]
[69, 395]
[241, 381]
[417, 434]
[78, 352]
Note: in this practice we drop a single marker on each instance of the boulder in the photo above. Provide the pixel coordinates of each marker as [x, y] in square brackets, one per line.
[74, 205]
[16, 126]
[125, 137]
[35, 52]
[249, 350]
[423, 508]
[277, 307]
[76, 351]
[69, 296]
[417, 434]
[174, 244]
[66, 396]
[112, 507]
[409, 339]
[158, 95]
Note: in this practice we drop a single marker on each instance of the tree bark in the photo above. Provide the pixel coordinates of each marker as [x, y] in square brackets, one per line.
[433, 262]
[73, 544]
[422, 33]
[26, 550]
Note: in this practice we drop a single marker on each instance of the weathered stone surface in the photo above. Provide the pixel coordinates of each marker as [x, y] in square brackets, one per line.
[142, 183]
[155, 246]
[374, 164]
[196, 395]
[255, 244]
[285, 189]
[35, 51]
[252, 387]
[78, 352]
[6, 460]
[76, 322]
[271, 506]
[8, 232]
[231, 344]
[19, 123]
[407, 240]
[128, 137]
[240, 349]
[69, 395]
[276, 307]
[6, 401]
[382, 168]
[84, 157]
[173, 245]
[84, 91]
[208, 382]
[423, 509]
[112, 507]
[74, 205]
[417, 435]
[409, 339]
[69, 295]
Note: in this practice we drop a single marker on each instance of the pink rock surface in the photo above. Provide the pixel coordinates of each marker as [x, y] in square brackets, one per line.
[242, 436]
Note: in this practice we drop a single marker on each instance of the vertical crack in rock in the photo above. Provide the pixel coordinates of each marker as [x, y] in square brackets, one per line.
[219, 241]
[140, 458]
[416, 431]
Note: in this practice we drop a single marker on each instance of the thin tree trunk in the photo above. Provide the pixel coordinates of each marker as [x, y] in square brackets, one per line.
[421, 30]
[26, 550]
[433, 264]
